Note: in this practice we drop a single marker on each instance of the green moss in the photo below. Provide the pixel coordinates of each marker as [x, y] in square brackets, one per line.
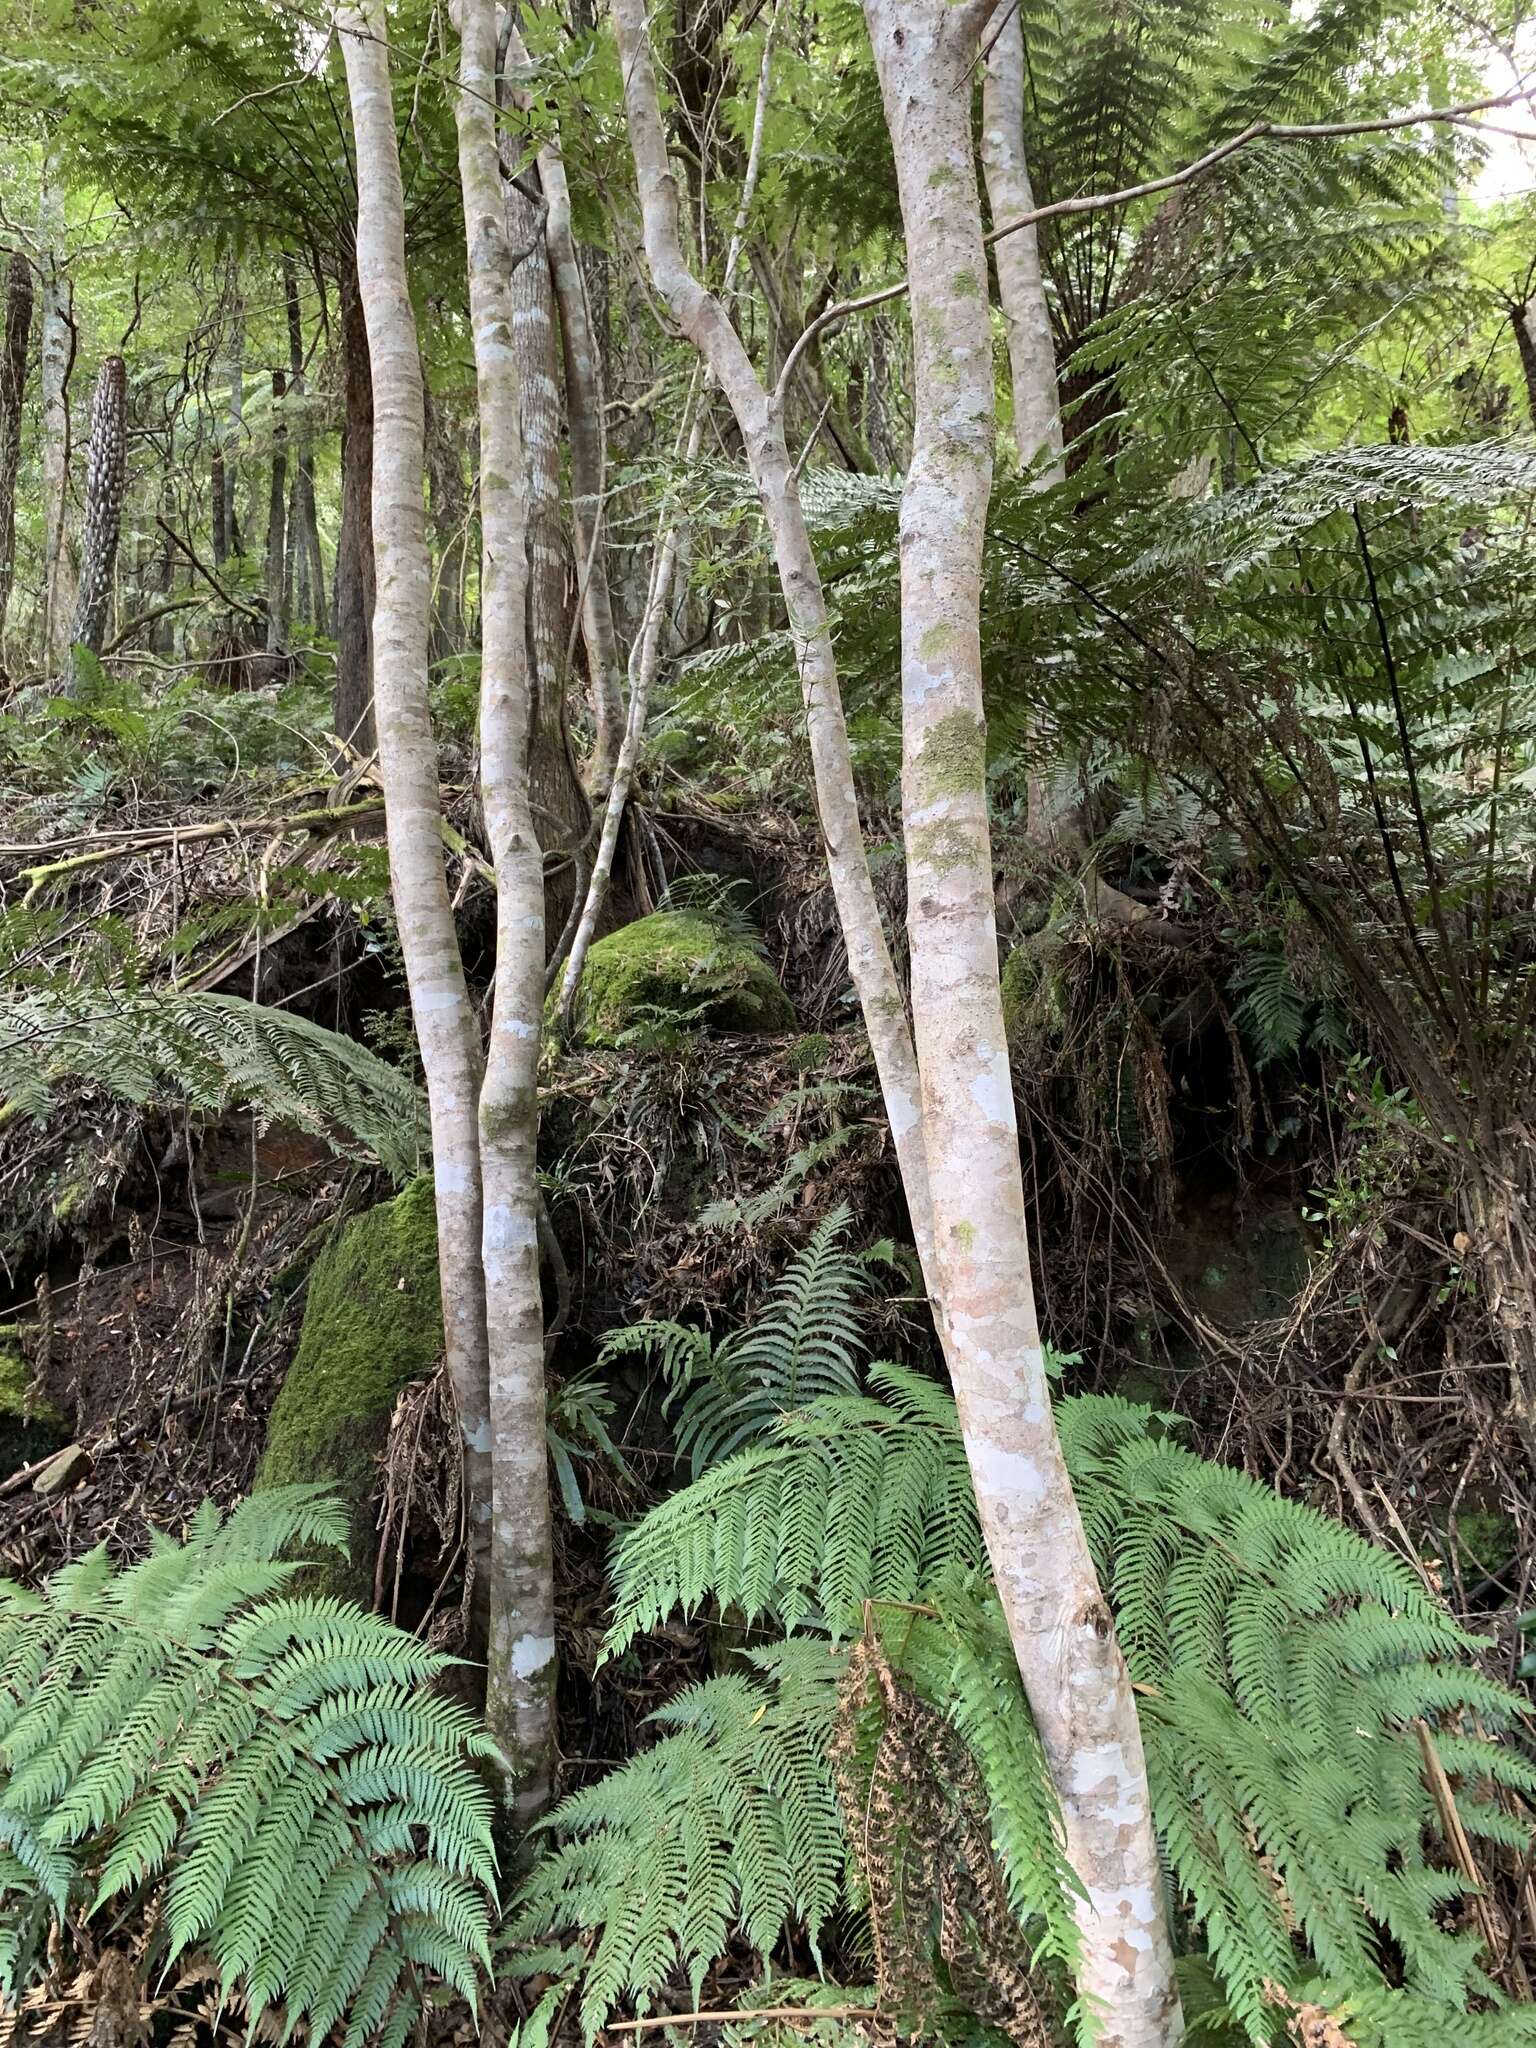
[29, 1427]
[676, 966]
[1487, 1536]
[953, 760]
[373, 1322]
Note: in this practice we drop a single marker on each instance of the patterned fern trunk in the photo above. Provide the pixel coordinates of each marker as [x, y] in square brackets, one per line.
[105, 473]
[13, 379]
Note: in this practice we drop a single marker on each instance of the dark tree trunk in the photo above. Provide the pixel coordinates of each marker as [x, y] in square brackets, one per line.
[303, 527]
[216, 496]
[562, 811]
[1522, 319]
[105, 475]
[277, 520]
[450, 524]
[354, 551]
[13, 384]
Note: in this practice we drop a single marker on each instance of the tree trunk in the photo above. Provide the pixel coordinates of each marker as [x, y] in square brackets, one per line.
[218, 505]
[58, 355]
[521, 1665]
[589, 463]
[450, 520]
[704, 320]
[354, 546]
[446, 1030]
[559, 801]
[304, 527]
[277, 520]
[1079, 1690]
[234, 433]
[1523, 319]
[1020, 286]
[105, 475]
[19, 297]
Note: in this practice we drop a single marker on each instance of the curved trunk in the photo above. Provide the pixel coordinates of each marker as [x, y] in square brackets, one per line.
[1070, 1661]
[446, 1030]
[521, 1669]
[708, 326]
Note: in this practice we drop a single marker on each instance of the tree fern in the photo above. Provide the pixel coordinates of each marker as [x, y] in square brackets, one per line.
[274, 1771]
[804, 1342]
[211, 1052]
[729, 1820]
[1283, 1662]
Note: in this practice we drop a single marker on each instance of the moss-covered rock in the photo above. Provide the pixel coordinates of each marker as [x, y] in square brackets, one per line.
[680, 968]
[373, 1322]
[29, 1427]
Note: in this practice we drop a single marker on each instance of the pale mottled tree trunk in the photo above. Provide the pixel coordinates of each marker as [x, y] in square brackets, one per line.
[708, 326]
[19, 300]
[1020, 284]
[105, 479]
[1073, 1671]
[521, 1677]
[57, 356]
[445, 1024]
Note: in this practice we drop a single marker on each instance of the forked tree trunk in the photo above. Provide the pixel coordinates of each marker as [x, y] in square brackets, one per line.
[1020, 284]
[19, 299]
[708, 326]
[445, 1024]
[1063, 1637]
[58, 350]
[105, 477]
[521, 1679]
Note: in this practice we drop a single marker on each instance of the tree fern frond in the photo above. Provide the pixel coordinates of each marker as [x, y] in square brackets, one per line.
[275, 1768]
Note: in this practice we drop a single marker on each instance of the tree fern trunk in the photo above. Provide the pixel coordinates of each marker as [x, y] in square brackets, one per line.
[1062, 1634]
[521, 1667]
[445, 1023]
[19, 300]
[105, 475]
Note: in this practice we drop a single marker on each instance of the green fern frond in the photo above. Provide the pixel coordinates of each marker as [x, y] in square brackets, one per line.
[276, 1771]
[212, 1052]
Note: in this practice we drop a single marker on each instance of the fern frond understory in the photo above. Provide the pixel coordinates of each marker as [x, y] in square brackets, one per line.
[1282, 1665]
[273, 1775]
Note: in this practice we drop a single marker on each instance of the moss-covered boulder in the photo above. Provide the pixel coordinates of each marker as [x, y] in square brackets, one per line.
[29, 1427]
[676, 968]
[373, 1322]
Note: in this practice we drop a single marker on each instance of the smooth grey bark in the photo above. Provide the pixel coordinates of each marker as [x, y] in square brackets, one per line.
[708, 325]
[521, 1666]
[446, 1031]
[1060, 1625]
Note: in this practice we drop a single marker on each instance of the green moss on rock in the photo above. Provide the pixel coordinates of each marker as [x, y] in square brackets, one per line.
[373, 1322]
[29, 1427]
[676, 966]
